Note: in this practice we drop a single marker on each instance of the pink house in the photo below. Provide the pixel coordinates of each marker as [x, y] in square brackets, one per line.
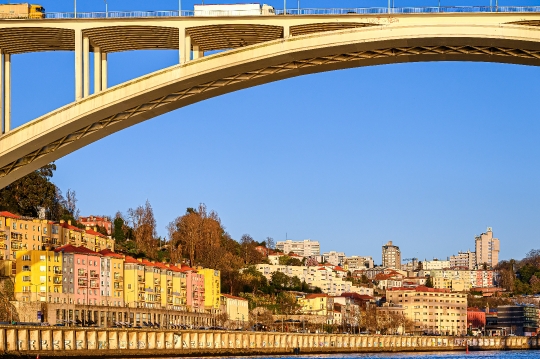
[194, 288]
[81, 275]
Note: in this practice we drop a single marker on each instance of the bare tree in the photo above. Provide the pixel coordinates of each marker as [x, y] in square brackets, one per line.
[144, 229]
[70, 203]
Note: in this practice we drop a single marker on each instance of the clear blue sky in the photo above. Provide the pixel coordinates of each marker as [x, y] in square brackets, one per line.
[424, 154]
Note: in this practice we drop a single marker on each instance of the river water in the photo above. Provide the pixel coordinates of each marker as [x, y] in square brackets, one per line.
[525, 354]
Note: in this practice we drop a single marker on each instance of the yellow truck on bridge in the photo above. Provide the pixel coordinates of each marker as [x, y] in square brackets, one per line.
[22, 11]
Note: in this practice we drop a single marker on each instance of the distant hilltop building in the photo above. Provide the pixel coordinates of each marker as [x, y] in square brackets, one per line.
[92, 221]
[391, 256]
[305, 248]
[487, 249]
[465, 260]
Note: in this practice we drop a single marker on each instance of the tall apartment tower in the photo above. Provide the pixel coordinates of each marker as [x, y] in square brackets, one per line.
[487, 249]
[391, 256]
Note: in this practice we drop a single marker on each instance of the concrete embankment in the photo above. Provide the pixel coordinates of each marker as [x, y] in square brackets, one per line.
[116, 343]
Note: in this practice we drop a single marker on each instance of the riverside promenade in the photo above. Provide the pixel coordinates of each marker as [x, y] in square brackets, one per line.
[116, 343]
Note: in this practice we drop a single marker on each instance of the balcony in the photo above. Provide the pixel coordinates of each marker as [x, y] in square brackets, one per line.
[3, 246]
[118, 278]
[72, 240]
[3, 237]
[118, 286]
[57, 270]
[17, 246]
[94, 274]
[169, 283]
[140, 279]
[82, 283]
[94, 284]
[15, 237]
[57, 281]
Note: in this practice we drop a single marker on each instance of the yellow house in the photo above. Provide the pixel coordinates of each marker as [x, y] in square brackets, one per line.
[212, 288]
[38, 276]
[112, 278]
[316, 304]
[134, 282]
[236, 308]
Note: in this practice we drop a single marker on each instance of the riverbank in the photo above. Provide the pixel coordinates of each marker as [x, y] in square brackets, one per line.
[143, 343]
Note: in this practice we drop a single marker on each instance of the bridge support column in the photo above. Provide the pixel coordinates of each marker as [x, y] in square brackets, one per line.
[188, 48]
[286, 32]
[104, 73]
[7, 93]
[182, 45]
[78, 65]
[86, 62]
[197, 53]
[97, 70]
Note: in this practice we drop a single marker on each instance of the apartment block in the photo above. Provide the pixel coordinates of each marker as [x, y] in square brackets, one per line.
[435, 264]
[391, 256]
[212, 288]
[38, 276]
[463, 260]
[333, 257]
[432, 310]
[470, 278]
[112, 278]
[358, 263]
[304, 248]
[487, 249]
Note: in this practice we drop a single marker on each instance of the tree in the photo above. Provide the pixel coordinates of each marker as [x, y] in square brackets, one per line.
[270, 244]
[429, 282]
[144, 229]
[29, 194]
[280, 280]
[118, 231]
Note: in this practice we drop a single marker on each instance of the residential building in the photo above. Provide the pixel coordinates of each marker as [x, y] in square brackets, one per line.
[487, 249]
[212, 288]
[195, 289]
[134, 283]
[435, 264]
[333, 257]
[432, 310]
[112, 278]
[463, 260]
[304, 248]
[466, 278]
[81, 271]
[236, 308]
[102, 221]
[358, 263]
[391, 256]
[455, 285]
[316, 304]
[38, 276]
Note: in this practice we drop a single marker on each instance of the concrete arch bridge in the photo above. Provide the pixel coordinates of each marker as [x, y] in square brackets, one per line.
[254, 50]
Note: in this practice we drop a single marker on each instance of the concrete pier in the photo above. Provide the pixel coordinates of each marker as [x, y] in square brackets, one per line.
[46, 342]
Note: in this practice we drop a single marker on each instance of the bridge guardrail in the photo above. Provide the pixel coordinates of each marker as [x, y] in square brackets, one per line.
[331, 11]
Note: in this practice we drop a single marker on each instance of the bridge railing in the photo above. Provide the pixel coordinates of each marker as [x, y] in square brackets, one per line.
[334, 11]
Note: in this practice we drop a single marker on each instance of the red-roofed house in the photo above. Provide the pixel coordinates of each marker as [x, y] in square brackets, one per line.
[92, 221]
[81, 274]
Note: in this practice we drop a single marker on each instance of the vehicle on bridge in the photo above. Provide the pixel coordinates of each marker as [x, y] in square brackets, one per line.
[234, 10]
[22, 11]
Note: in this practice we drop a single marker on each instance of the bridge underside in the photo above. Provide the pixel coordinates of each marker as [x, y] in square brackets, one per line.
[65, 130]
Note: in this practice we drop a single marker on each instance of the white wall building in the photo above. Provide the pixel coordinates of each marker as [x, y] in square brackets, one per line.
[435, 264]
[358, 263]
[333, 257]
[305, 248]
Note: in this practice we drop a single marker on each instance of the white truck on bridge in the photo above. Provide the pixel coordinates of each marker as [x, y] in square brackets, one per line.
[234, 10]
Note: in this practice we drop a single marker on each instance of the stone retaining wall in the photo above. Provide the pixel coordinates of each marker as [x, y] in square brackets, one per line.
[98, 342]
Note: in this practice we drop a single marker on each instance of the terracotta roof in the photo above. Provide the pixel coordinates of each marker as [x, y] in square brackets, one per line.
[94, 233]
[109, 253]
[356, 296]
[232, 297]
[338, 268]
[69, 226]
[131, 260]
[174, 268]
[147, 263]
[68, 248]
[421, 288]
[316, 295]
[9, 215]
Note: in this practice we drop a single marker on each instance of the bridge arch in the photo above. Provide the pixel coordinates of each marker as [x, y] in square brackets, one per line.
[71, 127]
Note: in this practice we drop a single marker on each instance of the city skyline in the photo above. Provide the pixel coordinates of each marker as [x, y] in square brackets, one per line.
[352, 158]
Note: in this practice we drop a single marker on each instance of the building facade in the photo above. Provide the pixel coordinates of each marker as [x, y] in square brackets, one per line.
[487, 249]
[92, 221]
[305, 248]
[432, 310]
[463, 260]
[391, 256]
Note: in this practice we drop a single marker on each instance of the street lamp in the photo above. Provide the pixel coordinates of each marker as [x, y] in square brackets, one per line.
[106, 8]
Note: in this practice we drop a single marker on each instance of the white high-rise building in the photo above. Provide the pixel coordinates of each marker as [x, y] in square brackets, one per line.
[487, 249]
[391, 256]
[305, 248]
